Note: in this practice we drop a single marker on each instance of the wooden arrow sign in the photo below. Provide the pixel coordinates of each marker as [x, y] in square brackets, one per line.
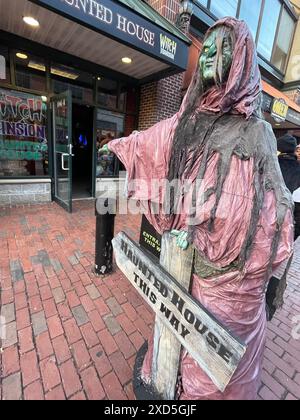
[215, 349]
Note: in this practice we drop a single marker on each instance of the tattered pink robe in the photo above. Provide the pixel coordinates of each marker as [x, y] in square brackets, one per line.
[236, 299]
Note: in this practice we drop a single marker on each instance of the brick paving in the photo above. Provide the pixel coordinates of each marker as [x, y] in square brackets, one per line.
[72, 335]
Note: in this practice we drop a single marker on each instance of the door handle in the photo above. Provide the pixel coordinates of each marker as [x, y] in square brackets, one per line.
[63, 155]
[71, 150]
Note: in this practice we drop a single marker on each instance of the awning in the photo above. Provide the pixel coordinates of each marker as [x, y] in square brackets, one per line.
[292, 113]
[102, 32]
[275, 93]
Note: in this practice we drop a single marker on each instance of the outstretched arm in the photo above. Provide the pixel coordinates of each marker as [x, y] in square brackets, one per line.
[145, 154]
[104, 150]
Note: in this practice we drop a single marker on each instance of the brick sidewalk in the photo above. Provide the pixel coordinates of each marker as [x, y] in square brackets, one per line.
[71, 335]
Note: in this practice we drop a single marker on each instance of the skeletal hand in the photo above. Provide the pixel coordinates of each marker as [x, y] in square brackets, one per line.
[182, 241]
[104, 150]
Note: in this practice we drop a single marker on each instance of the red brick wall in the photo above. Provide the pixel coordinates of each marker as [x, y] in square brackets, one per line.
[148, 106]
[169, 96]
[195, 49]
[167, 8]
[130, 124]
[160, 100]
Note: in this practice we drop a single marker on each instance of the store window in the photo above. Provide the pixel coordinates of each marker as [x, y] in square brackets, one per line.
[250, 13]
[30, 71]
[4, 65]
[268, 28]
[130, 124]
[110, 125]
[283, 41]
[222, 8]
[23, 135]
[127, 99]
[68, 78]
[203, 2]
[107, 93]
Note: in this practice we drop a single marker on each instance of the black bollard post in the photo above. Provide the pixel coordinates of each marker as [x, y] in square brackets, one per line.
[105, 210]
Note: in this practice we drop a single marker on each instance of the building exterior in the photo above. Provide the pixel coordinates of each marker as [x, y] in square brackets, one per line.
[292, 76]
[73, 75]
[64, 89]
[276, 29]
[161, 99]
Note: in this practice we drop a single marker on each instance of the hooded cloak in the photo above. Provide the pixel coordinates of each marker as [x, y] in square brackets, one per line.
[242, 229]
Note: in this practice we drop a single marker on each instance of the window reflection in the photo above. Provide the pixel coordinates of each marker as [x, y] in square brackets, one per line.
[4, 57]
[23, 135]
[268, 28]
[203, 2]
[30, 71]
[78, 82]
[127, 99]
[283, 42]
[250, 13]
[222, 8]
[107, 93]
[269, 11]
[110, 126]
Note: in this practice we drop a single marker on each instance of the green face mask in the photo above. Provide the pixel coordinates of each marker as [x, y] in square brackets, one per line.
[209, 56]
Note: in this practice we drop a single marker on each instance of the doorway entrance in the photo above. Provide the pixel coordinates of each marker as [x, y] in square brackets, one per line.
[82, 140]
[73, 134]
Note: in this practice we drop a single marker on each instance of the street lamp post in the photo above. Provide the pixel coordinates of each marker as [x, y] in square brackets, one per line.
[105, 211]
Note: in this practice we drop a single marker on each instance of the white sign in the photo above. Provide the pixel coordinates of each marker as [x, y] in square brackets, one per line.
[106, 15]
[215, 349]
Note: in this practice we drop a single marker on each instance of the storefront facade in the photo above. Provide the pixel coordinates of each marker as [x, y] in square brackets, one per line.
[69, 85]
[281, 112]
[273, 24]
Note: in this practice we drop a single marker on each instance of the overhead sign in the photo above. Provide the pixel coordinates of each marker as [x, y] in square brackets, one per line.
[207, 341]
[279, 110]
[293, 117]
[119, 22]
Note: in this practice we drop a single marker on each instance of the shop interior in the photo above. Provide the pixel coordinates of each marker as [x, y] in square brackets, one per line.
[82, 140]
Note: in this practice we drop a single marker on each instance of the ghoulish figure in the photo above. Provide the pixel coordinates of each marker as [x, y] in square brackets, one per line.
[241, 226]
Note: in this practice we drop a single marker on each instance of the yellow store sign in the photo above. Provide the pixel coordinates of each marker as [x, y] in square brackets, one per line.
[279, 110]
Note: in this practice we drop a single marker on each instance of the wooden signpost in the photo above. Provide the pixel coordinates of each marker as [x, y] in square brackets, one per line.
[181, 320]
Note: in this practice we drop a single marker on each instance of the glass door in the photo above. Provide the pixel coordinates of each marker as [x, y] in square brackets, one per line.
[62, 140]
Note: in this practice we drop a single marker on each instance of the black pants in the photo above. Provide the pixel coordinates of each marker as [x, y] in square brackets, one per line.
[270, 297]
[274, 282]
[297, 220]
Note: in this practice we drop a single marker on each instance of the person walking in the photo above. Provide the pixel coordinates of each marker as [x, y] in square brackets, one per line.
[290, 168]
[298, 152]
[296, 198]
